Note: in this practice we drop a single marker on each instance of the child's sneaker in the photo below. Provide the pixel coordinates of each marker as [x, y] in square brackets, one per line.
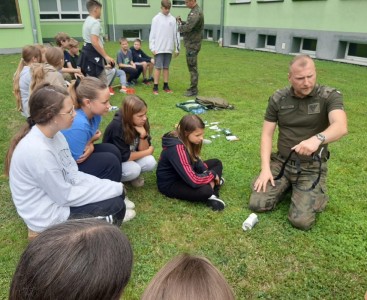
[155, 92]
[215, 203]
[129, 215]
[146, 81]
[123, 90]
[112, 92]
[168, 91]
[151, 79]
[128, 203]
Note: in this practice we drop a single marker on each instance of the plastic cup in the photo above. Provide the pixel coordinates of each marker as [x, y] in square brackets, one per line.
[250, 222]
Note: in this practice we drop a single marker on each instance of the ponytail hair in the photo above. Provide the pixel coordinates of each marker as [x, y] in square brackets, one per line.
[85, 88]
[45, 103]
[28, 54]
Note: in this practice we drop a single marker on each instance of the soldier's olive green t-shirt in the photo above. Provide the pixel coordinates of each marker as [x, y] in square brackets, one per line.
[300, 118]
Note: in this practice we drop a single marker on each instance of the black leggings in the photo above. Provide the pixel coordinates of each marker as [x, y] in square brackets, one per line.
[114, 206]
[181, 190]
[104, 162]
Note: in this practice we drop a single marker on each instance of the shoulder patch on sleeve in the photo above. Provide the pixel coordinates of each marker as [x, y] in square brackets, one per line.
[325, 91]
[279, 94]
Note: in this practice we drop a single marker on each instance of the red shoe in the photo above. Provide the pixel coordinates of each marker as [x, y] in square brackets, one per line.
[112, 92]
[155, 92]
[168, 91]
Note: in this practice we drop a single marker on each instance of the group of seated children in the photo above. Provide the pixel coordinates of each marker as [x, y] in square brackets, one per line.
[91, 259]
[57, 171]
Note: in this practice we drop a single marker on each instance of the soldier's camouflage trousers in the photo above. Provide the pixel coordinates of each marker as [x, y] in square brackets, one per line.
[192, 64]
[304, 204]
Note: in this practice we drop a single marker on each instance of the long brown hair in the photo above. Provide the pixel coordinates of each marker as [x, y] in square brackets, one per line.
[188, 277]
[132, 105]
[85, 88]
[45, 102]
[28, 53]
[187, 125]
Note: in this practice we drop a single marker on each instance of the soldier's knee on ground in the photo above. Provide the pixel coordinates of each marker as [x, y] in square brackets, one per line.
[302, 222]
[259, 203]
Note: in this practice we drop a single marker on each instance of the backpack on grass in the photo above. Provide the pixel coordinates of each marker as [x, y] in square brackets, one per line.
[213, 102]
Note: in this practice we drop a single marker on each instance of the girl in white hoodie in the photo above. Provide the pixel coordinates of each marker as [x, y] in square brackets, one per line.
[45, 183]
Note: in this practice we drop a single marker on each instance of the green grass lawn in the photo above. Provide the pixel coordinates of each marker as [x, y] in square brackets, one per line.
[272, 261]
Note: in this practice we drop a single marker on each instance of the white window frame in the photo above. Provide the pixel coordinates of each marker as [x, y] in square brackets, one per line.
[132, 38]
[179, 4]
[351, 57]
[309, 52]
[139, 4]
[19, 16]
[209, 34]
[81, 11]
[239, 38]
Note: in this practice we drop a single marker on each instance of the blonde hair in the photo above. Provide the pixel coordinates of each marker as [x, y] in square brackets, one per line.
[188, 277]
[73, 42]
[28, 54]
[54, 57]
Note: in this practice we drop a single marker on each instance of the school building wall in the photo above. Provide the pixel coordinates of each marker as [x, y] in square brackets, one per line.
[14, 36]
[325, 29]
[329, 26]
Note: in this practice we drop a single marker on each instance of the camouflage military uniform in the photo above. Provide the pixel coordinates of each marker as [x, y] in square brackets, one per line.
[298, 120]
[192, 31]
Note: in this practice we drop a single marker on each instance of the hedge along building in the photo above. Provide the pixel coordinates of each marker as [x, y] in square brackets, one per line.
[325, 29]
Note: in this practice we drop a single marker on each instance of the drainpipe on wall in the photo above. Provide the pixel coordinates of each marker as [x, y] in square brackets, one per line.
[33, 22]
[113, 20]
[222, 22]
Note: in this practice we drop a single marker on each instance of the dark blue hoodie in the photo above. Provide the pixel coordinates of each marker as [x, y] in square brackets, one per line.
[175, 164]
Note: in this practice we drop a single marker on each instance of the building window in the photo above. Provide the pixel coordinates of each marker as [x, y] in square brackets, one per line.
[270, 41]
[208, 34]
[178, 3]
[238, 39]
[63, 9]
[131, 34]
[356, 51]
[9, 12]
[241, 40]
[140, 2]
[308, 46]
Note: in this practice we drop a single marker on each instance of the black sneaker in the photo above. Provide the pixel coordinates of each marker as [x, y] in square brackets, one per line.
[215, 203]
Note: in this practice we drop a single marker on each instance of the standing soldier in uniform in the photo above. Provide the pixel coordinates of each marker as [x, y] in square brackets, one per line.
[192, 31]
[309, 116]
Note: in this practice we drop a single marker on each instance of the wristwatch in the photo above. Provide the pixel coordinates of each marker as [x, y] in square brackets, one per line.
[321, 137]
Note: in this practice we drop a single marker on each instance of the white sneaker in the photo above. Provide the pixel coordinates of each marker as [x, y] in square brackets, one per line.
[128, 203]
[129, 215]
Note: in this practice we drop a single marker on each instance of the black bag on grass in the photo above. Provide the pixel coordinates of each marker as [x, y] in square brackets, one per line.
[213, 102]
